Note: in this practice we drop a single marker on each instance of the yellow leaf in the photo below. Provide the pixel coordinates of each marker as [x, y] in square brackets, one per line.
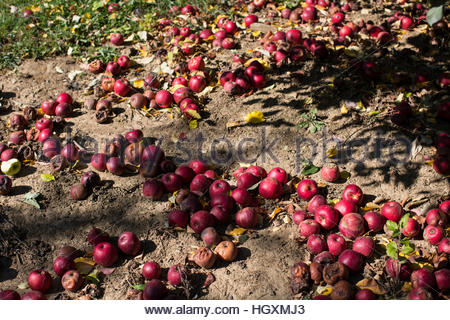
[370, 206]
[35, 8]
[407, 287]
[193, 124]
[84, 265]
[254, 117]
[47, 177]
[138, 84]
[309, 100]
[256, 33]
[264, 63]
[331, 153]
[344, 109]
[429, 162]
[324, 290]
[236, 232]
[275, 212]
[372, 285]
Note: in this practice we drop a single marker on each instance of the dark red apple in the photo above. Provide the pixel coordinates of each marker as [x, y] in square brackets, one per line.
[220, 214]
[62, 264]
[9, 295]
[437, 218]
[201, 220]
[186, 173]
[171, 182]
[151, 270]
[423, 278]
[365, 294]
[199, 184]
[442, 277]
[176, 274]
[198, 166]
[155, 290]
[219, 187]
[247, 180]
[444, 246]
[352, 259]
[247, 218]
[420, 293]
[398, 270]
[153, 188]
[33, 295]
[40, 280]
[129, 243]
[411, 229]
[243, 197]
[178, 218]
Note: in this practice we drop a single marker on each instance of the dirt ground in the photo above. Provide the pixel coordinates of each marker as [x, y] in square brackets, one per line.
[31, 237]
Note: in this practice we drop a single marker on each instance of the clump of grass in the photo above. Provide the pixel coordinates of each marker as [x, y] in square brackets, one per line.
[76, 27]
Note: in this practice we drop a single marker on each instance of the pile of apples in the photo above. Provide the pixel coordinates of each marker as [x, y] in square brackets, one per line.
[335, 262]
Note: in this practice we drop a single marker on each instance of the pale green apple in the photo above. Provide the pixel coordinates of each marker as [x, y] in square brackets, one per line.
[11, 167]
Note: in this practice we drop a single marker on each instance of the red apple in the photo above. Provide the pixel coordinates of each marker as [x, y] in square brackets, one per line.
[336, 244]
[330, 173]
[62, 264]
[122, 87]
[178, 218]
[220, 214]
[327, 217]
[315, 202]
[353, 193]
[116, 39]
[176, 274]
[364, 245]
[299, 216]
[374, 220]
[279, 174]
[154, 290]
[219, 187]
[412, 228]
[352, 225]
[444, 246]
[316, 243]
[198, 166]
[199, 184]
[420, 293]
[257, 171]
[171, 182]
[437, 218]
[345, 207]
[392, 210]
[247, 180]
[433, 234]
[186, 173]
[224, 201]
[307, 189]
[442, 277]
[105, 254]
[270, 188]
[124, 62]
[423, 278]
[308, 227]
[365, 294]
[243, 197]
[49, 106]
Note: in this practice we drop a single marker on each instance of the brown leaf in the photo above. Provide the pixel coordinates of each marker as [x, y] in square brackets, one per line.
[372, 285]
[290, 208]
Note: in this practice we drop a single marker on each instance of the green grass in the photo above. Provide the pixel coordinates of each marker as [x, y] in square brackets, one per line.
[82, 30]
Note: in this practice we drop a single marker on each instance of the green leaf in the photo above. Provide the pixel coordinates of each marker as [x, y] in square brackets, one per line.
[253, 187]
[403, 221]
[140, 286]
[407, 250]
[313, 129]
[97, 5]
[393, 226]
[30, 198]
[243, 238]
[391, 250]
[435, 14]
[92, 277]
[309, 169]
[47, 177]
